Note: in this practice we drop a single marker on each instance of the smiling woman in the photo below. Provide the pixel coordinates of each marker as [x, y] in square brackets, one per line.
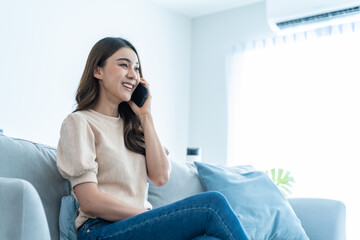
[116, 80]
[97, 77]
[108, 148]
[120, 73]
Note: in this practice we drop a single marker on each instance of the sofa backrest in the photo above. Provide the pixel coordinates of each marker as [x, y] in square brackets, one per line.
[36, 163]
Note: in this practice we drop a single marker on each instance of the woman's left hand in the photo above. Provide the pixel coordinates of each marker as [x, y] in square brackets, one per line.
[146, 108]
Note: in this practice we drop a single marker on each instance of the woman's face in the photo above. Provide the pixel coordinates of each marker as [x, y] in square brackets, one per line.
[119, 77]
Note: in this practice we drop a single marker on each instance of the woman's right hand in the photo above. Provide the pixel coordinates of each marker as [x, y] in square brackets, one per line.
[146, 108]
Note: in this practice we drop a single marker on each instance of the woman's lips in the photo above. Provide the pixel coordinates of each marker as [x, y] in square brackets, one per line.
[128, 86]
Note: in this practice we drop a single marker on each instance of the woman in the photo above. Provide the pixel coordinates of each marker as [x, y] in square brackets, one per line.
[108, 148]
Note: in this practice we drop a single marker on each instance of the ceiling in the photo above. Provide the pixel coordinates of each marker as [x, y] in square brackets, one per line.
[196, 8]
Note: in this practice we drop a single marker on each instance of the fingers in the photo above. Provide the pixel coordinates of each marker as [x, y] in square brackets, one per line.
[143, 81]
[132, 104]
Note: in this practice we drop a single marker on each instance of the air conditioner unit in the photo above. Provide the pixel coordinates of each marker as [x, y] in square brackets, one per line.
[301, 15]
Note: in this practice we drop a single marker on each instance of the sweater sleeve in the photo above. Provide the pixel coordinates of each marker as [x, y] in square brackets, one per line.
[76, 153]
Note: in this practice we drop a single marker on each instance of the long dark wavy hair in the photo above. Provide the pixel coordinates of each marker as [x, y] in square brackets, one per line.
[88, 91]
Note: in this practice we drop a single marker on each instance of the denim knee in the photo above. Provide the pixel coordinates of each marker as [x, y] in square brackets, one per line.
[217, 199]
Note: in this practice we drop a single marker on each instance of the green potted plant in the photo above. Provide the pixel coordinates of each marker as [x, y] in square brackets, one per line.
[283, 181]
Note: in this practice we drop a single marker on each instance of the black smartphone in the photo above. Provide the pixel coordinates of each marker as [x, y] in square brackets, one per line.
[139, 95]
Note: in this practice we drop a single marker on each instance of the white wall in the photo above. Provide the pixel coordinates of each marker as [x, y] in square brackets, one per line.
[44, 46]
[212, 37]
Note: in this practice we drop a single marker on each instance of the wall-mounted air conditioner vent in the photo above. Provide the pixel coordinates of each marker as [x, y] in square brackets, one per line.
[319, 17]
[285, 15]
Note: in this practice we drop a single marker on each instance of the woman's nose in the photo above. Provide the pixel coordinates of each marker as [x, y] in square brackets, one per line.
[132, 74]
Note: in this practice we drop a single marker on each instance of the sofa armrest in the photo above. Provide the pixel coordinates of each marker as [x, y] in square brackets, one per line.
[321, 218]
[22, 212]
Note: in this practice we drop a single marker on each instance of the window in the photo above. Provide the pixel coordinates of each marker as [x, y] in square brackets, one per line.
[294, 103]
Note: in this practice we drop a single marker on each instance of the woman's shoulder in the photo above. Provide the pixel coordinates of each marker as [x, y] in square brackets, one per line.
[78, 117]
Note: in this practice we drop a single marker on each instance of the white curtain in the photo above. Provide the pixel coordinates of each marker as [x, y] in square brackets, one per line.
[294, 103]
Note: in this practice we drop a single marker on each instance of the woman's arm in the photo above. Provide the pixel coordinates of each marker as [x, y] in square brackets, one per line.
[95, 203]
[157, 163]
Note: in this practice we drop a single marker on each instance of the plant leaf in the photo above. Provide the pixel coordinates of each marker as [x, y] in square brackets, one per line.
[283, 182]
[280, 172]
[273, 175]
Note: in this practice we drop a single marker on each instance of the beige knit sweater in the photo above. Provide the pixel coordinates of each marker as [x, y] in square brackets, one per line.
[91, 149]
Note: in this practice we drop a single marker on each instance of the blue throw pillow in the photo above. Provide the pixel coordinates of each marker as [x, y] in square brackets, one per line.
[260, 206]
[68, 214]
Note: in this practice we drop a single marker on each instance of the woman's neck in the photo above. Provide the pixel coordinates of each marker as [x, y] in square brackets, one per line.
[107, 109]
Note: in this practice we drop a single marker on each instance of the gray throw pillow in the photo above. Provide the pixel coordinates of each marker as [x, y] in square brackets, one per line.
[183, 182]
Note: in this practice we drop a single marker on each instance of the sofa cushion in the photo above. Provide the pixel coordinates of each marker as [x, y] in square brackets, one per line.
[321, 218]
[260, 206]
[36, 163]
[183, 183]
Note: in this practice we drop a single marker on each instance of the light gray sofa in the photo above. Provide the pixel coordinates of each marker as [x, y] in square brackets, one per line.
[31, 190]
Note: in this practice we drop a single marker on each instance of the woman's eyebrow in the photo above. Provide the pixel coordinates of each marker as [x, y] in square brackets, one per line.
[126, 59]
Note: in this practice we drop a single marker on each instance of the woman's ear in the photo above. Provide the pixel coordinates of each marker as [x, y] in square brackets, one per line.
[98, 72]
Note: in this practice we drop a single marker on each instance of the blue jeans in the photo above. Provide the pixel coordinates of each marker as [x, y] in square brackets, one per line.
[203, 216]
